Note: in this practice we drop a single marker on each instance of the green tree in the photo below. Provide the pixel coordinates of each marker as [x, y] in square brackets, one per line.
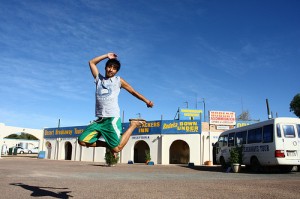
[12, 136]
[24, 136]
[295, 105]
[244, 116]
[27, 136]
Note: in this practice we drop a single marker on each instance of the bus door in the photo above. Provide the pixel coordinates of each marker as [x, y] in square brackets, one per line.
[222, 149]
[291, 141]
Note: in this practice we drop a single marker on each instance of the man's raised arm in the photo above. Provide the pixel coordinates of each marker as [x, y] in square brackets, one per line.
[96, 60]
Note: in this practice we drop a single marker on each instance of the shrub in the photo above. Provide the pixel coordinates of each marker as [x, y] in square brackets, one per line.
[236, 155]
[110, 158]
[147, 155]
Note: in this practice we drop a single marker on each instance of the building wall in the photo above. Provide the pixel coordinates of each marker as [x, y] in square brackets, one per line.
[8, 130]
[199, 147]
[193, 141]
[58, 151]
[127, 153]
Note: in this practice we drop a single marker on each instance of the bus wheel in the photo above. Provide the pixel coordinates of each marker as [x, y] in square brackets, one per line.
[223, 163]
[255, 165]
[286, 168]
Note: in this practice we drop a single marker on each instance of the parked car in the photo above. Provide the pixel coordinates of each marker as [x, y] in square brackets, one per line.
[21, 150]
[34, 150]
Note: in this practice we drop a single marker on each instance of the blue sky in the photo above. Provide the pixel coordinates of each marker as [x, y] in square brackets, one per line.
[234, 53]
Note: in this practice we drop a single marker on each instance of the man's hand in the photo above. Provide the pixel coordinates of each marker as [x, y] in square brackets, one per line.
[112, 55]
[150, 104]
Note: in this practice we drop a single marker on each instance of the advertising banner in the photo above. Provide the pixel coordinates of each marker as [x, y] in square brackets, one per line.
[222, 117]
[244, 123]
[151, 127]
[63, 132]
[167, 127]
[181, 127]
[190, 114]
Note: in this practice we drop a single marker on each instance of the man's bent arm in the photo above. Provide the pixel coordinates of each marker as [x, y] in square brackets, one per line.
[129, 88]
[96, 60]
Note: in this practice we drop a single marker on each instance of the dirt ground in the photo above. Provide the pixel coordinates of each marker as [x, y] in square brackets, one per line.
[28, 177]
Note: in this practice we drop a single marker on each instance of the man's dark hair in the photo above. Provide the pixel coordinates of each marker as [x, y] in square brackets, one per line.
[113, 62]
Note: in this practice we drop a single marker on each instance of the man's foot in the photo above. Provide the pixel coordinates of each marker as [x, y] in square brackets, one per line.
[138, 122]
[114, 154]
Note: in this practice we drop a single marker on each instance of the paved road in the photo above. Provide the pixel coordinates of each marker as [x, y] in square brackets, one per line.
[25, 177]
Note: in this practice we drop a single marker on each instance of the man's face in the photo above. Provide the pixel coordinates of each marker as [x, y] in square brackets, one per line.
[110, 71]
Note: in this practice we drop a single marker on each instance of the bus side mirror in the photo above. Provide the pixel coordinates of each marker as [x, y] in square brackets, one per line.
[215, 144]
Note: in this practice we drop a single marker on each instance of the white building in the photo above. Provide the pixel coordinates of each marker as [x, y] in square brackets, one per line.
[169, 142]
[8, 130]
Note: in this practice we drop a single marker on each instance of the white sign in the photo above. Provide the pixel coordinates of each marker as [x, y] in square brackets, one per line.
[222, 127]
[140, 137]
[222, 117]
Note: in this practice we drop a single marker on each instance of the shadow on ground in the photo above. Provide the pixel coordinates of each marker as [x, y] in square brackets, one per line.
[243, 169]
[44, 191]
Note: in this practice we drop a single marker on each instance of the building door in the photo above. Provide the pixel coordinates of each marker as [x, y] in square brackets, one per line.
[179, 152]
[68, 151]
[140, 149]
[49, 149]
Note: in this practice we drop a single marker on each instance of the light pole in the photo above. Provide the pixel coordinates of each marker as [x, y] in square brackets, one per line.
[187, 104]
[203, 101]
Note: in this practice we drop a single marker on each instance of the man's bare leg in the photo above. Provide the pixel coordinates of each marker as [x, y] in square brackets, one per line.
[134, 123]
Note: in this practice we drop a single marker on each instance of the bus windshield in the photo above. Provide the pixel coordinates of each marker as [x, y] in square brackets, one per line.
[289, 131]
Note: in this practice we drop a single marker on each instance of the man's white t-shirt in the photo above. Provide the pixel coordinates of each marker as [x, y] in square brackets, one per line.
[107, 93]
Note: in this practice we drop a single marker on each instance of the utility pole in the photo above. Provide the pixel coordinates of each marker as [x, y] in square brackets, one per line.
[268, 109]
[203, 101]
[187, 104]
[204, 109]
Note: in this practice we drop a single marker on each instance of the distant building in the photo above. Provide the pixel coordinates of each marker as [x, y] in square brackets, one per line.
[8, 130]
[169, 141]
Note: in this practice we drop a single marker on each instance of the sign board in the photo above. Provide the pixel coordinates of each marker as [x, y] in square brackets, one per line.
[223, 127]
[63, 132]
[222, 117]
[167, 127]
[181, 127]
[244, 123]
[151, 127]
[190, 114]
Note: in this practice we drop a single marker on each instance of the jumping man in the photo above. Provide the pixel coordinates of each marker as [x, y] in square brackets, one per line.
[108, 125]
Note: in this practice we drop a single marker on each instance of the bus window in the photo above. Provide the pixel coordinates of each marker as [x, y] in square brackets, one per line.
[255, 135]
[223, 140]
[231, 139]
[298, 129]
[278, 130]
[268, 133]
[289, 131]
[240, 138]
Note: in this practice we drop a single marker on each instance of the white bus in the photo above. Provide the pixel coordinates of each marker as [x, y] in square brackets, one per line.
[275, 142]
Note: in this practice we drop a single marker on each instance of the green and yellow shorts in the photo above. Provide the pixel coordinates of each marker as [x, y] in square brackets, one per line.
[110, 128]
